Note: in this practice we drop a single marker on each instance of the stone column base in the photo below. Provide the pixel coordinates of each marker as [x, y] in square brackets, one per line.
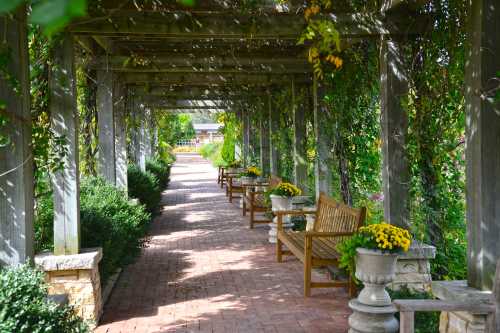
[413, 268]
[78, 277]
[460, 322]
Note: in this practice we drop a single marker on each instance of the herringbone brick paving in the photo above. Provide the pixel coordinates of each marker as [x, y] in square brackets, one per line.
[204, 270]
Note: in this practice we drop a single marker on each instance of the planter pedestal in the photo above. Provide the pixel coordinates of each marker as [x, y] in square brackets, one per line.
[279, 204]
[372, 319]
[373, 311]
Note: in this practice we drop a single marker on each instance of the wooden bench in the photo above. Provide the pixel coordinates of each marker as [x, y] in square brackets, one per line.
[220, 176]
[254, 202]
[407, 308]
[233, 188]
[333, 223]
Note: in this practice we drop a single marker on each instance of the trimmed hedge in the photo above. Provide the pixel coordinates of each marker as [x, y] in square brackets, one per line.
[145, 187]
[108, 220]
[24, 308]
[161, 170]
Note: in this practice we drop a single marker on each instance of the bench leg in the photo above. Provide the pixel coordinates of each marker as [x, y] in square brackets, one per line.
[307, 267]
[352, 287]
[230, 196]
[279, 250]
[244, 206]
[252, 217]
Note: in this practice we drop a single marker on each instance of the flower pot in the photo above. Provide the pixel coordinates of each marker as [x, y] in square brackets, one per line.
[247, 180]
[375, 269]
[280, 203]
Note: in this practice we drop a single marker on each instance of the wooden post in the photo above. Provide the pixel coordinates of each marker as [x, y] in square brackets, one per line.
[482, 143]
[246, 137]
[120, 136]
[16, 158]
[299, 143]
[141, 158]
[264, 145]
[66, 182]
[395, 172]
[147, 126]
[105, 116]
[322, 175]
[273, 129]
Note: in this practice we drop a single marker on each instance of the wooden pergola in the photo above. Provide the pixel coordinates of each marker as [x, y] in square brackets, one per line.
[177, 59]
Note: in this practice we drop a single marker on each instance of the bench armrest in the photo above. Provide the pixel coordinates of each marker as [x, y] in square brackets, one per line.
[318, 234]
[281, 213]
[426, 305]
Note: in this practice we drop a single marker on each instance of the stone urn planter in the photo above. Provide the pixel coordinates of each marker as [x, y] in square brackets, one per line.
[376, 270]
[247, 180]
[232, 170]
[373, 311]
[279, 203]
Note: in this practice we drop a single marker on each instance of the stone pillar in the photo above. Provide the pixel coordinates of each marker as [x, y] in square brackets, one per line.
[273, 128]
[322, 175]
[264, 145]
[482, 143]
[299, 143]
[105, 116]
[120, 136]
[66, 182]
[394, 124]
[16, 159]
[78, 277]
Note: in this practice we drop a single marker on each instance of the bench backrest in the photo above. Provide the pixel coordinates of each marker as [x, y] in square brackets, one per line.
[332, 216]
[274, 181]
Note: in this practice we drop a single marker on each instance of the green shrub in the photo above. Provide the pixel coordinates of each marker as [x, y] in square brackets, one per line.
[213, 152]
[160, 169]
[108, 220]
[145, 187]
[24, 308]
[425, 322]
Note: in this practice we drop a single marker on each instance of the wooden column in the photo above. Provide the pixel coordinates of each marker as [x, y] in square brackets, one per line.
[394, 124]
[66, 182]
[16, 159]
[141, 144]
[120, 136]
[105, 116]
[299, 143]
[483, 142]
[273, 128]
[147, 126]
[322, 175]
[264, 144]
[246, 137]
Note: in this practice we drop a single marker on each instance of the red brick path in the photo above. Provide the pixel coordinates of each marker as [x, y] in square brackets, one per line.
[205, 271]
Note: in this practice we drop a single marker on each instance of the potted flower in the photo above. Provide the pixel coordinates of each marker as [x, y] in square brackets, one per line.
[233, 166]
[371, 254]
[281, 196]
[250, 174]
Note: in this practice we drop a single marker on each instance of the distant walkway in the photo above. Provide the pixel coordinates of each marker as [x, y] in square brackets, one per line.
[205, 271]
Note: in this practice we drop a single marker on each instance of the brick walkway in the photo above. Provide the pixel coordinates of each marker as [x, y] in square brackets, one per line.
[205, 271]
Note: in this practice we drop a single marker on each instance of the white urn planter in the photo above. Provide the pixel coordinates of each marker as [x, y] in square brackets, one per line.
[247, 180]
[373, 311]
[376, 270]
[279, 203]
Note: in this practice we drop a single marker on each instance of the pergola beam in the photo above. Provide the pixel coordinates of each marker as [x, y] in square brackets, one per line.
[211, 79]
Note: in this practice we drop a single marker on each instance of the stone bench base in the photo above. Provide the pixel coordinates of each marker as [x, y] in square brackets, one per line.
[76, 276]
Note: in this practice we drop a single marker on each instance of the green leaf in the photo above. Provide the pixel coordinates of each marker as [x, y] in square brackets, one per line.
[9, 5]
[189, 3]
[48, 11]
[77, 8]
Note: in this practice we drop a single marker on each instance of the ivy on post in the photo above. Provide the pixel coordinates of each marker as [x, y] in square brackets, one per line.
[16, 160]
[299, 143]
[273, 129]
[322, 175]
[105, 111]
[119, 97]
[66, 180]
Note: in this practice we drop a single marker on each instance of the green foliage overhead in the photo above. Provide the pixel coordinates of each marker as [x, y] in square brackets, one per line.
[25, 309]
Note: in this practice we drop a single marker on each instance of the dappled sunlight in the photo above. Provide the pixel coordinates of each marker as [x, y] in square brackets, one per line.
[203, 269]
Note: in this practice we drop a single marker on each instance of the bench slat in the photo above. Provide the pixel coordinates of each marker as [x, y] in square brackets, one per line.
[427, 305]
